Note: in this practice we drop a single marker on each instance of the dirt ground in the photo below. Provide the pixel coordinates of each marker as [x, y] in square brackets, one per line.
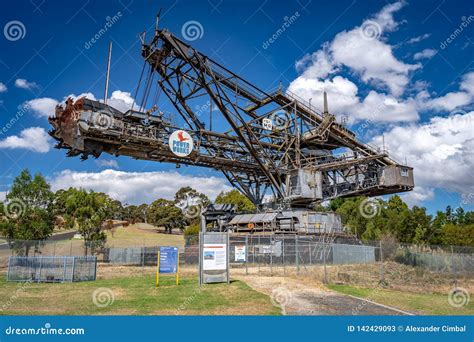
[395, 276]
[302, 292]
[297, 298]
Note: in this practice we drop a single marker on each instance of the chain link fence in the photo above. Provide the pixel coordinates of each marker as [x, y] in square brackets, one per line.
[260, 251]
[52, 269]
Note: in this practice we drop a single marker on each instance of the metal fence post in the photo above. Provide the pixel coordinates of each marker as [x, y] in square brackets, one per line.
[310, 252]
[143, 260]
[297, 254]
[8, 270]
[453, 267]
[382, 269]
[258, 256]
[246, 254]
[41, 264]
[325, 270]
[271, 256]
[73, 268]
[64, 275]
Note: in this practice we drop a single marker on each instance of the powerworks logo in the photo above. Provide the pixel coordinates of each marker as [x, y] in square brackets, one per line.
[181, 143]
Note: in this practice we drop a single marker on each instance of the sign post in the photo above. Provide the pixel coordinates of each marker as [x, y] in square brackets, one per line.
[167, 263]
[213, 258]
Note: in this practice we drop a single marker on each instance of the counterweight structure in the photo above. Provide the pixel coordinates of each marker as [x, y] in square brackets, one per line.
[267, 144]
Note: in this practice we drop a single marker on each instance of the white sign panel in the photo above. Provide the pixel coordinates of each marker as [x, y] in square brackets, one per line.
[267, 124]
[214, 256]
[240, 253]
[181, 143]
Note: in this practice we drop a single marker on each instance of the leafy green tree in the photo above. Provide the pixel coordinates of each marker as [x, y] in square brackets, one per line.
[191, 202]
[86, 211]
[436, 228]
[351, 216]
[334, 204]
[134, 213]
[187, 193]
[234, 197]
[27, 213]
[458, 235]
[164, 213]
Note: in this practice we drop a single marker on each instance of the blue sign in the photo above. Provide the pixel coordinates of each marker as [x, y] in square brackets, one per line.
[168, 260]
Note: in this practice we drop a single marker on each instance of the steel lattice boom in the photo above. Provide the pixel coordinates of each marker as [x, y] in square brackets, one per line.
[262, 141]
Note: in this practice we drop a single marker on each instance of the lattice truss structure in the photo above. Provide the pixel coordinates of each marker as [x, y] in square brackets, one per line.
[265, 143]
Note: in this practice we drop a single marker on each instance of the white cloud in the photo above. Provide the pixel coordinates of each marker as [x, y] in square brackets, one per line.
[418, 38]
[386, 108]
[317, 65]
[122, 101]
[343, 100]
[418, 195]
[112, 163]
[138, 187]
[441, 152]
[42, 107]
[364, 51]
[89, 95]
[24, 84]
[451, 100]
[426, 53]
[3, 87]
[35, 139]
[45, 106]
[342, 93]
[3, 196]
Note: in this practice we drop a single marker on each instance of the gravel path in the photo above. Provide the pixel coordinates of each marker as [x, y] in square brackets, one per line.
[297, 298]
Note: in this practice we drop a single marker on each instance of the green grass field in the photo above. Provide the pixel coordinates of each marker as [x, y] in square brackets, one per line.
[133, 296]
[418, 303]
[142, 234]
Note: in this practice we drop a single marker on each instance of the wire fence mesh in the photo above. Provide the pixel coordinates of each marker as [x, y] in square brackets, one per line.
[52, 269]
[257, 251]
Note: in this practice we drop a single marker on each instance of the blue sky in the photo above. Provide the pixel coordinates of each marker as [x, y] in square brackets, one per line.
[401, 69]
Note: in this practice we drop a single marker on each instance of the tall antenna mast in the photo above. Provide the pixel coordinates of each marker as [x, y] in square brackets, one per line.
[107, 74]
[326, 111]
[157, 20]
